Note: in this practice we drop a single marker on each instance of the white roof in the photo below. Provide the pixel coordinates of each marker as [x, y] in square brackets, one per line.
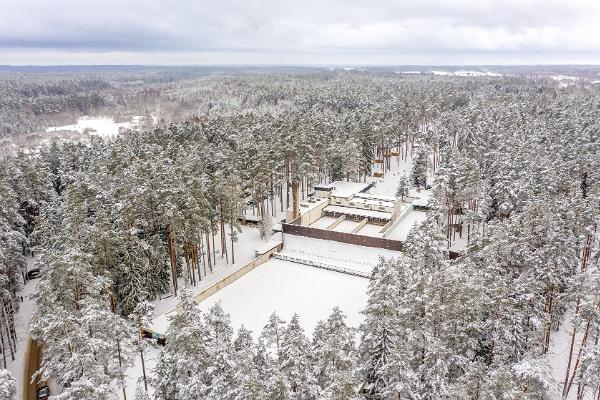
[370, 196]
[306, 206]
[347, 189]
[267, 246]
[374, 202]
[358, 212]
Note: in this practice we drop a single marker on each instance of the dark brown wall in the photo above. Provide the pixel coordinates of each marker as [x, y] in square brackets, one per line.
[351, 238]
[343, 237]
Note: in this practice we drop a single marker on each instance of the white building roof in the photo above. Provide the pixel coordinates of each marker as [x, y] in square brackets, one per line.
[359, 212]
[267, 246]
[306, 205]
[372, 202]
[347, 189]
[370, 196]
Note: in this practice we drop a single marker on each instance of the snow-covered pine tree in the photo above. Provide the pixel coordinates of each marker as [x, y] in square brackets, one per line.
[403, 187]
[295, 362]
[85, 342]
[221, 372]
[418, 174]
[142, 317]
[248, 384]
[380, 330]
[8, 387]
[334, 356]
[180, 371]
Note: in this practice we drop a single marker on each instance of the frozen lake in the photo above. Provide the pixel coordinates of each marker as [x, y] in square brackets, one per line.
[101, 126]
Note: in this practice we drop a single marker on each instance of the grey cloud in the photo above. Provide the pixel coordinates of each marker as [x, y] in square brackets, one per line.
[301, 27]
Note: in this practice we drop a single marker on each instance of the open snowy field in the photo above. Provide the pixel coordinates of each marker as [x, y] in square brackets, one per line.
[288, 288]
[101, 126]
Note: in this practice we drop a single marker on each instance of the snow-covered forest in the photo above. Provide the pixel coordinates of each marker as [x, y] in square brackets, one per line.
[115, 225]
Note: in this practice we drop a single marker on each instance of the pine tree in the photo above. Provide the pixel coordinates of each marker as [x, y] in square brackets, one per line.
[72, 320]
[295, 362]
[334, 357]
[248, 384]
[403, 187]
[142, 317]
[8, 387]
[182, 363]
[221, 372]
[418, 175]
[380, 331]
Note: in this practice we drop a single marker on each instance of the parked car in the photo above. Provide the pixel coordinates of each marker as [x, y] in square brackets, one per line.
[43, 393]
[33, 274]
[150, 334]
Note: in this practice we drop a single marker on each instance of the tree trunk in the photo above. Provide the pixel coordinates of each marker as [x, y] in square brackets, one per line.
[231, 236]
[172, 256]
[223, 239]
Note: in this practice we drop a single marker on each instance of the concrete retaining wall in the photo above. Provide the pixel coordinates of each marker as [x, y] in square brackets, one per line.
[234, 276]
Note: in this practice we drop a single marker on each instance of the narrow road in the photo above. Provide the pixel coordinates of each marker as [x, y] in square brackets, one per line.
[33, 359]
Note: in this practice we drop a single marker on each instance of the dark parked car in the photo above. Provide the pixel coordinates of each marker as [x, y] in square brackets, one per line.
[43, 393]
[33, 274]
[150, 334]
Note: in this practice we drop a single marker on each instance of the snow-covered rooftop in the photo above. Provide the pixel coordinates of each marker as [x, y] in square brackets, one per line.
[347, 189]
[371, 202]
[267, 246]
[370, 196]
[358, 212]
[307, 205]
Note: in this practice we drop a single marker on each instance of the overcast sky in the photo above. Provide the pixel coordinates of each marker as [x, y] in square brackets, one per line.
[315, 32]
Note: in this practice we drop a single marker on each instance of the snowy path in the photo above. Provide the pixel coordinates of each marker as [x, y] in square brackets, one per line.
[558, 356]
[26, 309]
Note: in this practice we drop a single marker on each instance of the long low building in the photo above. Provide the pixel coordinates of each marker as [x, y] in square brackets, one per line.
[357, 214]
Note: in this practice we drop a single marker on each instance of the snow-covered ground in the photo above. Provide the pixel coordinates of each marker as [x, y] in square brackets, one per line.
[337, 254]
[289, 288]
[248, 241]
[371, 230]
[101, 126]
[558, 357]
[388, 185]
[283, 287]
[22, 319]
[323, 222]
[346, 226]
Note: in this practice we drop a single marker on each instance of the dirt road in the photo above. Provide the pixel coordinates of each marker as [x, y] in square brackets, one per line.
[33, 359]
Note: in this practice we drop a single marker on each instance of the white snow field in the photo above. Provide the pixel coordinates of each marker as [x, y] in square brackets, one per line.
[101, 126]
[289, 288]
[335, 254]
